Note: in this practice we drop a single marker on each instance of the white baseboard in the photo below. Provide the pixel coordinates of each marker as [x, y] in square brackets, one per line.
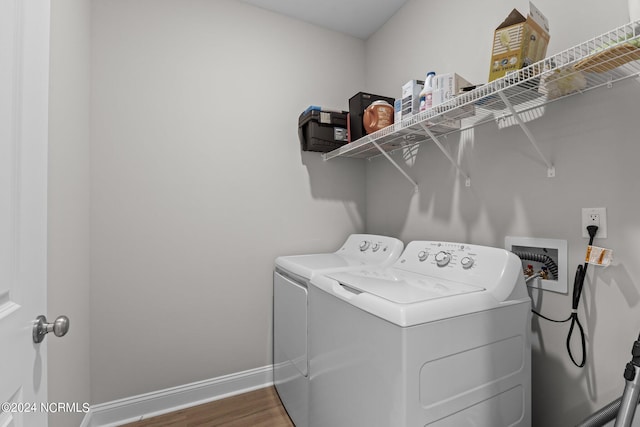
[122, 411]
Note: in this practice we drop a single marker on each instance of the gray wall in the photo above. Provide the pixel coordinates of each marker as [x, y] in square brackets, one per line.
[68, 246]
[194, 176]
[198, 183]
[592, 139]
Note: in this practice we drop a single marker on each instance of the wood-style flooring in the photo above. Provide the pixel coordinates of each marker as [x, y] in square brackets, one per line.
[259, 408]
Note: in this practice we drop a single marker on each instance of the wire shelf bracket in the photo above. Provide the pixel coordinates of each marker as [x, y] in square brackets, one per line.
[434, 138]
[551, 170]
[393, 162]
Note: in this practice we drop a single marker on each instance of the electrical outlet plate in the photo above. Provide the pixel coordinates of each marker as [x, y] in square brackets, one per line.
[588, 220]
[554, 248]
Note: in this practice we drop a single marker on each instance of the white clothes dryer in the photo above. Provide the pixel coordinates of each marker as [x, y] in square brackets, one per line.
[440, 339]
[290, 299]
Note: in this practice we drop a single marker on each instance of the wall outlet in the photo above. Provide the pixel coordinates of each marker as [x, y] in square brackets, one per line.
[594, 216]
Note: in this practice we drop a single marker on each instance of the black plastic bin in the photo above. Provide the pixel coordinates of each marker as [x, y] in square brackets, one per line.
[322, 131]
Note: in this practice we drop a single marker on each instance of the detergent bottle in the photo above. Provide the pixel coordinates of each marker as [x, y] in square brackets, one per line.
[426, 95]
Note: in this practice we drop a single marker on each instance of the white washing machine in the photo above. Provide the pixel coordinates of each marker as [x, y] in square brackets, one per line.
[290, 294]
[440, 339]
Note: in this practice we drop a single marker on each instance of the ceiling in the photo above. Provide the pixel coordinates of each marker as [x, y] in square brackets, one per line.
[358, 18]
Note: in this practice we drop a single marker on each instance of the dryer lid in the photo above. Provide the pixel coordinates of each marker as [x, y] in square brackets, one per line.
[306, 265]
[400, 286]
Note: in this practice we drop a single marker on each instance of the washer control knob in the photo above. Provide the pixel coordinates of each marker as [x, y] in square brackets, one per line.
[364, 245]
[422, 255]
[375, 247]
[443, 258]
[467, 262]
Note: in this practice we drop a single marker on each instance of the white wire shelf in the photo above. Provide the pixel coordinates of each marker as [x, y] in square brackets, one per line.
[601, 61]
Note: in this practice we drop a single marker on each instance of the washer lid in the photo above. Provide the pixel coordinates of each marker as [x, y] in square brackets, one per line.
[400, 286]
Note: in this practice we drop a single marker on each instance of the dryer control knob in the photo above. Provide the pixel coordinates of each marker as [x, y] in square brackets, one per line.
[467, 262]
[364, 245]
[422, 255]
[443, 258]
[375, 247]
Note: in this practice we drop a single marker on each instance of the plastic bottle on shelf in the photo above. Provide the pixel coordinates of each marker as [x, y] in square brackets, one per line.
[426, 95]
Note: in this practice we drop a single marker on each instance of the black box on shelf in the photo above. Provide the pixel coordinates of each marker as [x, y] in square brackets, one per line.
[357, 104]
[322, 131]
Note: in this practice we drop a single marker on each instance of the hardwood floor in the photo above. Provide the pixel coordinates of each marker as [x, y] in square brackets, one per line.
[259, 408]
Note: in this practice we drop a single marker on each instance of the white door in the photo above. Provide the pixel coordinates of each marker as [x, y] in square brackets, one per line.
[24, 74]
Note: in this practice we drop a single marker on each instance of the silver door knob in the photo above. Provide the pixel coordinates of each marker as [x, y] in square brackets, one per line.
[41, 328]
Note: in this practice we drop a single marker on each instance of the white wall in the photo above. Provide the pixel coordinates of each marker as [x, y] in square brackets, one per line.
[196, 174]
[198, 182]
[592, 141]
[68, 246]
